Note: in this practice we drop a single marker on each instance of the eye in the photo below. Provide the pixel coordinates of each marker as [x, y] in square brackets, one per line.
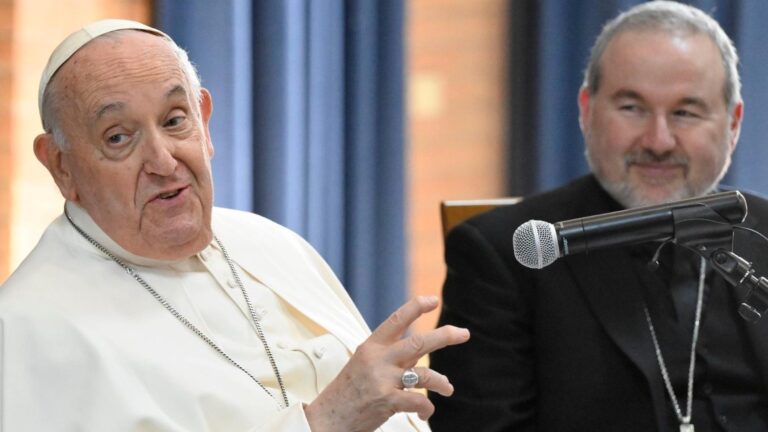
[629, 108]
[174, 121]
[685, 113]
[117, 139]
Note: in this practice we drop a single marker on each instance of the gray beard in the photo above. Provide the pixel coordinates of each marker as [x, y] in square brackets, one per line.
[626, 195]
[629, 197]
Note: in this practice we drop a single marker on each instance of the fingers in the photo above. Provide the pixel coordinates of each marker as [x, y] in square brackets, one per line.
[397, 323]
[406, 401]
[433, 381]
[377, 366]
[408, 350]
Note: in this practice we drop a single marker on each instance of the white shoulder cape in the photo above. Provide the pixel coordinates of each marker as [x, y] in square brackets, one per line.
[84, 348]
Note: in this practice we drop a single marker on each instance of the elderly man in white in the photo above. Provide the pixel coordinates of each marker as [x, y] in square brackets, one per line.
[143, 308]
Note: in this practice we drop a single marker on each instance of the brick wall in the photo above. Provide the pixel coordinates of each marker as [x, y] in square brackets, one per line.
[29, 200]
[457, 58]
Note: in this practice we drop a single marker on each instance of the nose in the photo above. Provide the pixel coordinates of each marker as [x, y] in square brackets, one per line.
[659, 137]
[158, 152]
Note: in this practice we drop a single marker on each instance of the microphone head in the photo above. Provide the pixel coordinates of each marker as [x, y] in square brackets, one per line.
[535, 244]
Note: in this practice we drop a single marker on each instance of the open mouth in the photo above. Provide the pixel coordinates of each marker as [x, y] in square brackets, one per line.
[169, 195]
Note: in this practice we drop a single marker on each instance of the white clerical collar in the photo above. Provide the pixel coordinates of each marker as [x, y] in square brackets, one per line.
[81, 217]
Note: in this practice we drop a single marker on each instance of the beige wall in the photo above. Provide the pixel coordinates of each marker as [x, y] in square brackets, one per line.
[6, 130]
[37, 26]
[456, 60]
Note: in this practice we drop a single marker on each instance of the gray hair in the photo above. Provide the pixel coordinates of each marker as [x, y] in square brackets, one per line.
[673, 18]
[52, 100]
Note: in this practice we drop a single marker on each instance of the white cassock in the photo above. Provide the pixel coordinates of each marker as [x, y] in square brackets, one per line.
[86, 348]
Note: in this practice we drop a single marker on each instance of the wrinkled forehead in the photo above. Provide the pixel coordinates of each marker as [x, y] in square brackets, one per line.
[125, 69]
[77, 40]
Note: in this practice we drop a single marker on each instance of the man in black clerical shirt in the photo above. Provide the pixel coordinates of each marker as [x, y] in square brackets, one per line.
[598, 342]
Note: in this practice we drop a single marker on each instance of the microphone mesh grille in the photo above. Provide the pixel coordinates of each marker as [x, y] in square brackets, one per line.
[535, 244]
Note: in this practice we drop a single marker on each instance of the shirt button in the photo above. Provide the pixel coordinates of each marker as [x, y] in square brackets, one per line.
[231, 283]
[723, 419]
[319, 352]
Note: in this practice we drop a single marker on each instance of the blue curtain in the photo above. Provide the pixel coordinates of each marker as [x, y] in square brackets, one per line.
[308, 125]
[565, 31]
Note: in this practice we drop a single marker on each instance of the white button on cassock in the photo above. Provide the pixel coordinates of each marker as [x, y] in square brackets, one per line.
[319, 351]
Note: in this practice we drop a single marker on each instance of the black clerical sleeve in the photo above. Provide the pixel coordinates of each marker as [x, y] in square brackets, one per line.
[493, 374]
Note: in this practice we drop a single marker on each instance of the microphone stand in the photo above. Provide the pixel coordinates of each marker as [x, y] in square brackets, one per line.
[712, 238]
[739, 273]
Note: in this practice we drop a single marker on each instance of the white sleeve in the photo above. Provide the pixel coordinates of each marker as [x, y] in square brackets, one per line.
[293, 419]
[290, 419]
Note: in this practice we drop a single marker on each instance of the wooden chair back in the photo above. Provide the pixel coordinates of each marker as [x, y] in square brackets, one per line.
[454, 212]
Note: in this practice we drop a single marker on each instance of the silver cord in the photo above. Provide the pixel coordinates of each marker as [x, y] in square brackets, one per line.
[189, 324]
[684, 419]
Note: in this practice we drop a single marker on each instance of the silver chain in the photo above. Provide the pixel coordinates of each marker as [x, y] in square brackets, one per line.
[188, 324]
[685, 420]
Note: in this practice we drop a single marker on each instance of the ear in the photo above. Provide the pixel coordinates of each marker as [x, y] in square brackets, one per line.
[584, 99]
[53, 158]
[206, 109]
[735, 124]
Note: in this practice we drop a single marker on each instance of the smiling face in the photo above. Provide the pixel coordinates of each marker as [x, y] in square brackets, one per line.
[658, 128]
[139, 150]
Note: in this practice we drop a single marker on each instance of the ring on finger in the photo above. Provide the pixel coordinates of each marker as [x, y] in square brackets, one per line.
[410, 378]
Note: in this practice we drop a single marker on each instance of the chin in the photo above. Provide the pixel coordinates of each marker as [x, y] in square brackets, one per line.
[632, 195]
[660, 198]
[179, 243]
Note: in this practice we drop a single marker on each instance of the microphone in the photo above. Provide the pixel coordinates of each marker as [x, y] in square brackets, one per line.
[538, 244]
